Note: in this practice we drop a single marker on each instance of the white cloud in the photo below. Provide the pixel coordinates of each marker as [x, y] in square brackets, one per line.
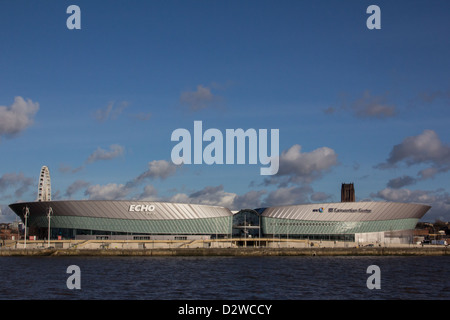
[217, 196]
[401, 182]
[19, 182]
[180, 198]
[437, 199]
[405, 195]
[368, 106]
[431, 96]
[149, 194]
[213, 196]
[209, 195]
[425, 148]
[17, 117]
[111, 111]
[288, 196]
[249, 200]
[200, 99]
[320, 196]
[303, 167]
[372, 107]
[110, 191]
[68, 169]
[161, 169]
[114, 151]
[75, 187]
[142, 116]
[428, 173]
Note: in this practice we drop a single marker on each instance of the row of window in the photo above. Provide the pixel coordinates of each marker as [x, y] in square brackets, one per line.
[304, 224]
[324, 237]
[140, 238]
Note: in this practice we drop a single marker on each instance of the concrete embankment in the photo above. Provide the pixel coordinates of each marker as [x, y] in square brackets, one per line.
[242, 252]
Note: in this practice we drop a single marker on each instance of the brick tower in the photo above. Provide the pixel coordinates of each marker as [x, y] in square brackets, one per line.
[347, 192]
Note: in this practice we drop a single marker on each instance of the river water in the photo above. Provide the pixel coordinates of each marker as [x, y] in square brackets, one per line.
[225, 278]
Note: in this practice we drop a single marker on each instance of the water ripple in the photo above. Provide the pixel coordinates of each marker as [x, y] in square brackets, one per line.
[225, 278]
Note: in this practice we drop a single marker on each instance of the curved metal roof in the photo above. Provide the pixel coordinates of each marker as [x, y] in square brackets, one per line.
[122, 209]
[348, 211]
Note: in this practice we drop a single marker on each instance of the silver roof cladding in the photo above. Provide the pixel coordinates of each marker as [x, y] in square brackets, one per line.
[120, 209]
[348, 211]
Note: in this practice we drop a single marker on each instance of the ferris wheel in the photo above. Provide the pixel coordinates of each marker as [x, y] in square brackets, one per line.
[44, 188]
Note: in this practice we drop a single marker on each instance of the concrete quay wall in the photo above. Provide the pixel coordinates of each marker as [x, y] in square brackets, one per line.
[191, 244]
[361, 251]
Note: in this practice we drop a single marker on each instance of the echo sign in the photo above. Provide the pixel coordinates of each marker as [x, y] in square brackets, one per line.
[141, 208]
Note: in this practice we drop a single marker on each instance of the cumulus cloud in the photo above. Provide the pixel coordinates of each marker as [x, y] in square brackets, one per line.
[114, 151]
[437, 199]
[428, 173]
[405, 195]
[111, 191]
[161, 169]
[432, 96]
[320, 197]
[401, 182]
[288, 196]
[249, 200]
[19, 182]
[303, 167]
[17, 117]
[111, 111]
[425, 148]
[367, 106]
[149, 194]
[180, 198]
[68, 169]
[75, 187]
[157, 169]
[142, 116]
[200, 99]
[215, 196]
[329, 110]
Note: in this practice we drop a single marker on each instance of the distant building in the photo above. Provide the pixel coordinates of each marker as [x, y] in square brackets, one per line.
[348, 192]
[10, 231]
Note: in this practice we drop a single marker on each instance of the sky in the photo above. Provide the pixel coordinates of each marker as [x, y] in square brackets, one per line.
[98, 105]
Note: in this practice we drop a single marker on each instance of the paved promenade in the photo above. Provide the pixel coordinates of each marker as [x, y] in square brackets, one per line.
[229, 247]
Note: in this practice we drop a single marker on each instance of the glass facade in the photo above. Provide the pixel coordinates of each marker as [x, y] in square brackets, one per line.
[70, 226]
[291, 227]
[246, 223]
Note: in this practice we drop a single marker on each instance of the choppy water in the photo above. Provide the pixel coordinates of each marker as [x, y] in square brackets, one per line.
[225, 278]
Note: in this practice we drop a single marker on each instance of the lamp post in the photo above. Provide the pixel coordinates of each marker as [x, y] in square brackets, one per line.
[26, 214]
[259, 230]
[50, 211]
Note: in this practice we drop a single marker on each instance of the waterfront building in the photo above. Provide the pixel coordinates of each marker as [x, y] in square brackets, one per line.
[147, 220]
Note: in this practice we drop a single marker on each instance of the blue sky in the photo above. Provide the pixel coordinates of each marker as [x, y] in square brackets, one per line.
[98, 105]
